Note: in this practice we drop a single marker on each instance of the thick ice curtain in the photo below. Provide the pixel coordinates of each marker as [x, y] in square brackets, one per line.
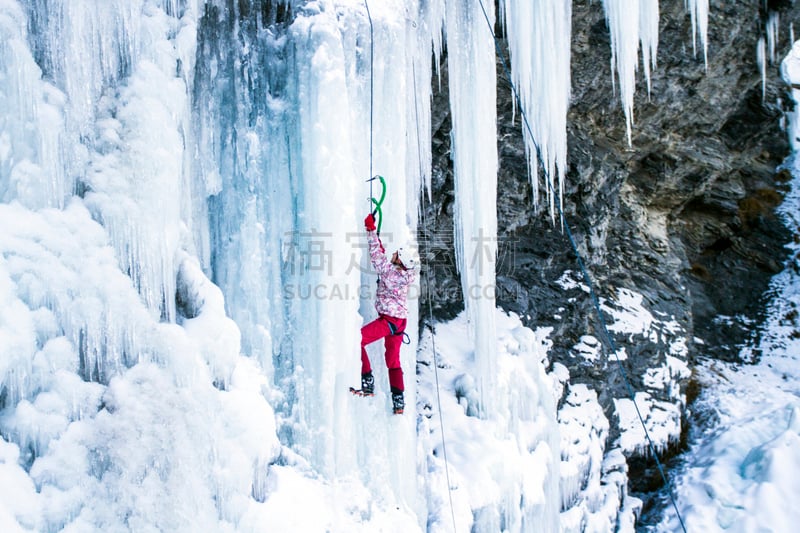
[471, 68]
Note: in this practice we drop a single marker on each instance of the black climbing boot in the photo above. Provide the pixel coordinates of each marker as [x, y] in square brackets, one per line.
[398, 403]
[367, 384]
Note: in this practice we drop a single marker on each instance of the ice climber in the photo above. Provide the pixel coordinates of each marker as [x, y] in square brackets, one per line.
[395, 275]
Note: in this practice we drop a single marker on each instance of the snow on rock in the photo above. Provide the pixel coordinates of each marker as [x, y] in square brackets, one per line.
[667, 375]
[588, 348]
[628, 313]
[593, 479]
[662, 420]
[651, 420]
[568, 281]
[497, 463]
[630, 318]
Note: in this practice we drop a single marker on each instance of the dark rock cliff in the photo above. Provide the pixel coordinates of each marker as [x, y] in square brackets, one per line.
[684, 216]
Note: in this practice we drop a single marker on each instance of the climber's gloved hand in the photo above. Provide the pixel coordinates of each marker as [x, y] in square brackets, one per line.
[369, 222]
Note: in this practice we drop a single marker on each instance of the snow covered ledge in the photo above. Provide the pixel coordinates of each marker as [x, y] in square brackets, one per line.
[524, 465]
[503, 471]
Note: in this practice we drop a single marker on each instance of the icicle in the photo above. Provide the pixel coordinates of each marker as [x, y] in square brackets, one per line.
[648, 34]
[623, 21]
[425, 32]
[539, 35]
[771, 29]
[761, 60]
[698, 9]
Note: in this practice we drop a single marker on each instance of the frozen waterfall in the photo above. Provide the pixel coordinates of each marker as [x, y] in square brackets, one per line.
[183, 272]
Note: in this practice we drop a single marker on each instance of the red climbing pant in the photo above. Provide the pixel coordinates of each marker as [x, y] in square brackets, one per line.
[391, 330]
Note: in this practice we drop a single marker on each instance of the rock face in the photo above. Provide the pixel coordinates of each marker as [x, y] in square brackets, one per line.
[684, 216]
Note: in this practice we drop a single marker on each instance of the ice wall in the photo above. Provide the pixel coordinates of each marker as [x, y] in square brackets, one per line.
[790, 72]
[32, 132]
[108, 407]
[287, 145]
[119, 148]
[121, 144]
[108, 438]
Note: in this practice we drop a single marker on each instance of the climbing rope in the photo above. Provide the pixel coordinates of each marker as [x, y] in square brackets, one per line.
[377, 209]
[430, 319]
[373, 202]
[595, 300]
[371, 97]
[439, 404]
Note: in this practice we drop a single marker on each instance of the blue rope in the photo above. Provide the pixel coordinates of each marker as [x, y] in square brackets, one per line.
[585, 272]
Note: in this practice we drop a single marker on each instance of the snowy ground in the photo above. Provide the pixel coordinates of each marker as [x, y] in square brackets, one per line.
[741, 474]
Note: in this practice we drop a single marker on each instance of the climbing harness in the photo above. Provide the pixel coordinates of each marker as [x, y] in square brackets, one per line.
[586, 276]
[393, 331]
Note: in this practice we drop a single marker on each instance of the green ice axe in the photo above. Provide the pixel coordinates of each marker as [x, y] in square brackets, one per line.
[378, 203]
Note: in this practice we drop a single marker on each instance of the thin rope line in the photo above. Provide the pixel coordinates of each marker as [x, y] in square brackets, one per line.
[585, 272]
[430, 319]
[371, 96]
[439, 403]
[430, 306]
